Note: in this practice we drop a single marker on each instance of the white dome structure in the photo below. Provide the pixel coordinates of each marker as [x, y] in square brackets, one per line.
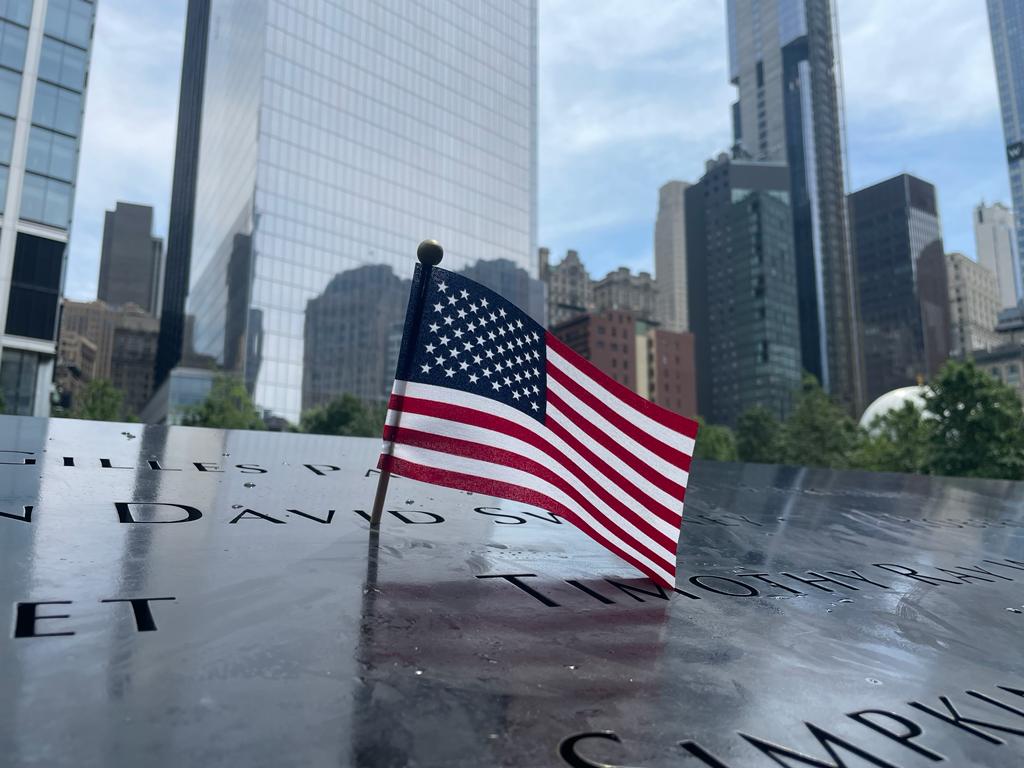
[892, 401]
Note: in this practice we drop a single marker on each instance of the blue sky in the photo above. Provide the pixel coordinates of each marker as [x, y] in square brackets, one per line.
[632, 94]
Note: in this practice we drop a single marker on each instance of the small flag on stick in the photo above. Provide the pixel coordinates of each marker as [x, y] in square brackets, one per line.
[486, 400]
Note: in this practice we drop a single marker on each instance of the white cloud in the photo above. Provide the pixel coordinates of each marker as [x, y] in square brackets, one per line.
[127, 149]
[917, 67]
[632, 94]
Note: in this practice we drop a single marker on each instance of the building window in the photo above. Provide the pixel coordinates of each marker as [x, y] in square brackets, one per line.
[12, 45]
[18, 380]
[46, 201]
[51, 154]
[35, 287]
[18, 11]
[10, 90]
[69, 20]
[57, 108]
[62, 64]
[6, 139]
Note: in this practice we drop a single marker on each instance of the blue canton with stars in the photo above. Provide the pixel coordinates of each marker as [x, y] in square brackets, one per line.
[473, 340]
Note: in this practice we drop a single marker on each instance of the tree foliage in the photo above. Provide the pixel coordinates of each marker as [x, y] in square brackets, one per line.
[345, 415]
[896, 441]
[972, 425]
[978, 430]
[715, 442]
[99, 400]
[758, 436]
[227, 406]
[818, 432]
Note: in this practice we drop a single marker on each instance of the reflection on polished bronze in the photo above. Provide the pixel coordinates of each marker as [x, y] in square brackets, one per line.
[183, 596]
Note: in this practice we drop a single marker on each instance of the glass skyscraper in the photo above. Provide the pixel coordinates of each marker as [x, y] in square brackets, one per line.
[44, 60]
[337, 134]
[1006, 19]
[784, 62]
[894, 225]
[742, 289]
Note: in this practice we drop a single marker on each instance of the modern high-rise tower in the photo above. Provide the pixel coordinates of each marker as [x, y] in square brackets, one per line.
[44, 59]
[784, 61]
[131, 260]
[894, 225]
[1006, 20]
[995, 239]
[337, 134]
[670, 256]
[183, 190]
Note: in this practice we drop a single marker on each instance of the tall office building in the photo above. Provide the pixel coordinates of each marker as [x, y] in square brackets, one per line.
[1006, 20]
[974, 305]
[742, 284]
[183, 190]
[893, 224]
[123, 347]
[996, 242]
[340, 134]
[44, 59]
[131, 261]
[783, 59]
[670, 256]
[348, 327]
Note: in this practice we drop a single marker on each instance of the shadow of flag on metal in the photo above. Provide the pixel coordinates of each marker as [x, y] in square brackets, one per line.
[486, 400]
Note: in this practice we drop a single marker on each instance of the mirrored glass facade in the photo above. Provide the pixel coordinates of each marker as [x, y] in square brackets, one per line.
[336, 135]
[783, 60]
[1006, 18]
[44, 61]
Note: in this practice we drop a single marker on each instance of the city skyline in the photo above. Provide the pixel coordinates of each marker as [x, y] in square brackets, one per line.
[599, 179]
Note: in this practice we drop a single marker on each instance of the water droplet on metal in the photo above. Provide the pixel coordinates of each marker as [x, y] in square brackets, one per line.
[419, 671]
[250, 485]
[1015, 610]
[236, 506]
[873, 681]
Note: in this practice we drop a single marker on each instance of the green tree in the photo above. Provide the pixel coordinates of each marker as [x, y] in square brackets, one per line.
[99, 400]
[818, 432]
[759, 436]
[714, 442]
[896, 441]
[979, 425]
[345, 415]
[227, 406]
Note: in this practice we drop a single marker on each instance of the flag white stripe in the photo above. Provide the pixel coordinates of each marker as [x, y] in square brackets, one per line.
[655, 493]
[499, 472]
[676, 474]
[459, 431]
[657, 430]
[476, 402]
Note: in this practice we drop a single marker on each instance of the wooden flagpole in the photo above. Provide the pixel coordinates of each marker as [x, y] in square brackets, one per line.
[429, 253]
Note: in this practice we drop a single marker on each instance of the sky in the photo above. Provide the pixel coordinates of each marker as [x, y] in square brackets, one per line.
[633, 93]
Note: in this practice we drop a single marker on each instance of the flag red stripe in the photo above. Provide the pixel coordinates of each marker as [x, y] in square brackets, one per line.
[660, 510]
[502, 490]
[672, 455]
[510, 459]
[672, 488]
[662, 415]
[494, 423]
[489, 453]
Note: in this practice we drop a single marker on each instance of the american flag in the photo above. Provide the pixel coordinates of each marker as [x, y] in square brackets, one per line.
[486, 400]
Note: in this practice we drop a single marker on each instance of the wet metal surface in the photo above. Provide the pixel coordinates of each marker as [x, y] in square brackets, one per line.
[194, 597]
